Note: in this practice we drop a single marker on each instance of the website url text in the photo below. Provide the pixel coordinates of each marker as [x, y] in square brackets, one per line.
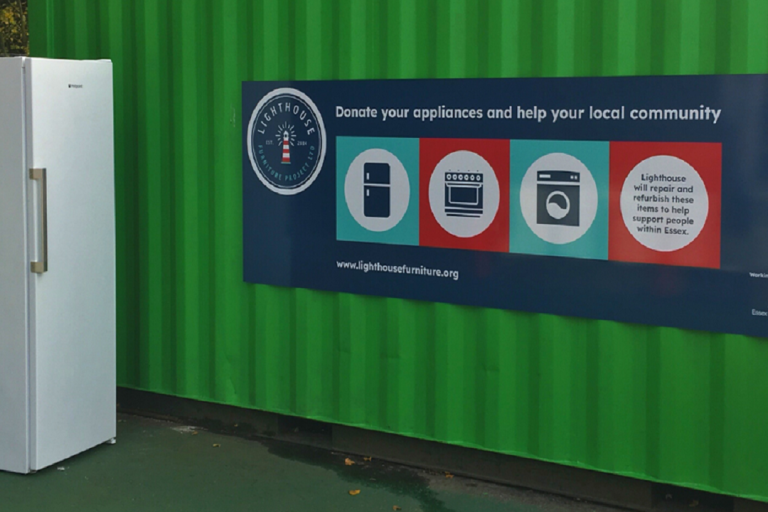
[368, 266]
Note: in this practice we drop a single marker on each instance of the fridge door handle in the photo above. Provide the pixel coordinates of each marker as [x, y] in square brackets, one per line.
[40, 267]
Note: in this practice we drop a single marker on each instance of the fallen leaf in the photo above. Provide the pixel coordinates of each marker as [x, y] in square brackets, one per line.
[217, 445]
[194, 433]
[395, 507]
[354, 492]
[236, 425]
[694, 503]
[348, 461]
[448, 475]
[367, 459]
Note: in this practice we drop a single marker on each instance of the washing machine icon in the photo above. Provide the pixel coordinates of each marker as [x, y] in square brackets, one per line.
[557, 198]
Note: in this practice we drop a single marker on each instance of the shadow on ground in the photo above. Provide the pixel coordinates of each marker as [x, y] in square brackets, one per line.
[160, 466]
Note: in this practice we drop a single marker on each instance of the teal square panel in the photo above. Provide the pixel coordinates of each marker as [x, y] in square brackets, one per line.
[559, 198]
[377, 190]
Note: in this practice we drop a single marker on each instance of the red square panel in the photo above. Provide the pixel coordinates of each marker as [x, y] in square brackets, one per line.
[658, 164]
[470, 210]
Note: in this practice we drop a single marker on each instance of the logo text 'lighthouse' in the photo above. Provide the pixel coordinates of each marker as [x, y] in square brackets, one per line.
[286, 141]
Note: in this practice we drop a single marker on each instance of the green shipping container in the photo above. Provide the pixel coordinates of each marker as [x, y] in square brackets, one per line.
[667, 405]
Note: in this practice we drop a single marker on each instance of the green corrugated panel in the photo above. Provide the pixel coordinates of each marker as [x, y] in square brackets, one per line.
[676, 406]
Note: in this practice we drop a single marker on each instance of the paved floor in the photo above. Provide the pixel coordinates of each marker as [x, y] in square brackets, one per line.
[159, 466]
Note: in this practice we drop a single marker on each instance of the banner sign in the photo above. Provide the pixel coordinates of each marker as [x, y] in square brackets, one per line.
[636, 199]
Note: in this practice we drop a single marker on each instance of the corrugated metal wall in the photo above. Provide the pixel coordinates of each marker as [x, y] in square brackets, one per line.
[684, 407]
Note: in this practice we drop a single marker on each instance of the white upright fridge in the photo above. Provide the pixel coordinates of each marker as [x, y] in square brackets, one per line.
[57, 260]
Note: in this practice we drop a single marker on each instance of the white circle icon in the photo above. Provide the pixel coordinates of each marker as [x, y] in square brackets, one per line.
[558, 198]
[377, 190]
[464, 194]
[664, 203]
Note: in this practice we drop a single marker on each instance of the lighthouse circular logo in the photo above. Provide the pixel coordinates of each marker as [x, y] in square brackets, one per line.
[286, 141]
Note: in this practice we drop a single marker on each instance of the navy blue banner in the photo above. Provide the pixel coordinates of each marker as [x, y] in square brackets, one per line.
[636, 199]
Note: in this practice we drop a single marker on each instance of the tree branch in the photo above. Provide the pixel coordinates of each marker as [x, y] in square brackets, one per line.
[22, 13]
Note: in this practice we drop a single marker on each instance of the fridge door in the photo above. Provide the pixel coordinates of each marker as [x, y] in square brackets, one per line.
[14, 268]
[376, 173]
[72, 304]
[376, 201]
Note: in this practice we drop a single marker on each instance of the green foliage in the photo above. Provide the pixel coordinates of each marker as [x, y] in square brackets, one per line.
[14, 34]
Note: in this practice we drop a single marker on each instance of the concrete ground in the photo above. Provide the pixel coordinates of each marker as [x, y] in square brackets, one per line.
[159, 466]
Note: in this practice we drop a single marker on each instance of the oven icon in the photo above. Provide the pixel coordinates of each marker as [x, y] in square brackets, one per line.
[463, 194]
[376, 189]
[557, 198]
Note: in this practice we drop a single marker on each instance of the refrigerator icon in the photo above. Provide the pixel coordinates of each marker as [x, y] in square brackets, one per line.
[376, 189]
[57, 261]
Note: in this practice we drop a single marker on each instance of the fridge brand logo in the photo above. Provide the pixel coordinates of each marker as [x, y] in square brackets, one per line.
[286, 141]
[75, 86]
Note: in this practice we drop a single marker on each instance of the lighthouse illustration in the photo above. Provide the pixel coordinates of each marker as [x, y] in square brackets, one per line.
[287, 136]
[286, 149]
